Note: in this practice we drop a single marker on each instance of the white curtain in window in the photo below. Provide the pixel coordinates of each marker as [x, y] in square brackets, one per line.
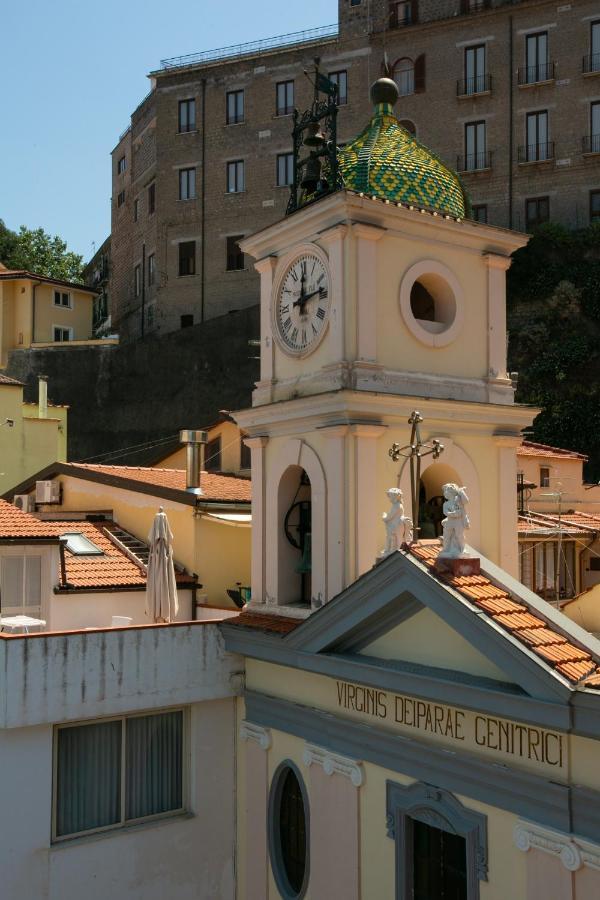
[88, 790]
[153, 782]
[21, 585]
[404, 76]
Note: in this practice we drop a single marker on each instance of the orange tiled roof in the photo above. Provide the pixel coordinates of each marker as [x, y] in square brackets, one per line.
[530, 448]
[274, 624]
[17, 524]
[4, 379]
[9, 274]
[514, 616]
[570, 523]
[228, 488]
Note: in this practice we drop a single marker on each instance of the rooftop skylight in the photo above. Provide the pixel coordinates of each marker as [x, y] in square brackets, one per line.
[79, 545]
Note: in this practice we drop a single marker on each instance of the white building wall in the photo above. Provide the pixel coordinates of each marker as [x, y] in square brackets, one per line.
[188, 857]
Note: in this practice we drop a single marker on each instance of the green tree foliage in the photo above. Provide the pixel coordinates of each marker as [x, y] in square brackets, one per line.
[35, 250]
[554, 336]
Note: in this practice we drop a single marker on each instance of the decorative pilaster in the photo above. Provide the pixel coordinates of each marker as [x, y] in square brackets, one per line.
[333, 240]
[497, 267]
[266, 268]
[336, 512]
[334, 764]
[366, 290]
[508, 549]
[258, 741]
[257, 572]
[367, 512]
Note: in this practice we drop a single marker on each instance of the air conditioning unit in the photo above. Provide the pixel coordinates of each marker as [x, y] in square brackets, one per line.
[47, 492]
[24, 502]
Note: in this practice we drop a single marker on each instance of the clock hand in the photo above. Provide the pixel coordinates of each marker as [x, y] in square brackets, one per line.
[302, 300]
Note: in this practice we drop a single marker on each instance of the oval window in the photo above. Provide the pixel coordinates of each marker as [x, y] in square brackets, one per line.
[288, 832]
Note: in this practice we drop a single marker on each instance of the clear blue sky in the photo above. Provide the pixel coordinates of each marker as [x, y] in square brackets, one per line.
[72, 71]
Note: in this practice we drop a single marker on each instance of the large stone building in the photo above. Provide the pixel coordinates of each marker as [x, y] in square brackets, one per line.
[507, 93]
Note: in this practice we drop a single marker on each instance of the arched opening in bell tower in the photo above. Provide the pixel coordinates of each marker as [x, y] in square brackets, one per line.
[294, 558]
[431, 498]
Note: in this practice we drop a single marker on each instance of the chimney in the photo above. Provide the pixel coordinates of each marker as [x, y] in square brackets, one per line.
[42, 396]
[194, 441]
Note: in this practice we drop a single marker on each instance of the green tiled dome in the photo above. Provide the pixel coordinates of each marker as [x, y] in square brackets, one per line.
[388, 162]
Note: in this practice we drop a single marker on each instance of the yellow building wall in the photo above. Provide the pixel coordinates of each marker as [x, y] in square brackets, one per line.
[32, 443]
[231, 443]
[79, 317]
[218, 553]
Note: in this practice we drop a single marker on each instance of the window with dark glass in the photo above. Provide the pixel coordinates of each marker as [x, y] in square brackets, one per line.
[121, 165]
[111, 773]
[187, 115]
[475, 80]
[151, 198]
[187, 258]
[151, 269]
[120, 198]
[480, 213]
[62, 298]
[340, 79]
[285, 169]
[537, 133]
[537, 66]
[537, 211]
[234, 107]
[284, 98]
[212, 455]
[594, 206]
[409, 125]
[594, 60]
[595, 127]
[187, 184]
[235, 176]
[137, 280]
[402, 13]
[288, 832]
[404, 76]
[439, 863]
[62, 334]
[245, 456]
[186, 320]
[235, 257]
[136, 209]
[475, 147]
[544, 476]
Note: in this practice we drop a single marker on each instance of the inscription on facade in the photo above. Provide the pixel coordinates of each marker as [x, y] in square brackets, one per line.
[477, 732]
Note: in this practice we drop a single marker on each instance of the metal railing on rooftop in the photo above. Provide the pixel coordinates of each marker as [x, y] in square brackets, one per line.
[253, 47]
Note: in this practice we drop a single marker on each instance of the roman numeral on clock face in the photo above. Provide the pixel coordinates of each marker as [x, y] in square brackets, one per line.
[320, 313]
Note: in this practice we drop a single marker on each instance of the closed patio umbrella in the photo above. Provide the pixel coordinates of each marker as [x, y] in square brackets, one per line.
[161, 591]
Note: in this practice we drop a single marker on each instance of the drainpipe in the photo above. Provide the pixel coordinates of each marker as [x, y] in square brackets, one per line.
[203, 203]
[143, 285]
[42, 396]
[510, 121]
[35, 285]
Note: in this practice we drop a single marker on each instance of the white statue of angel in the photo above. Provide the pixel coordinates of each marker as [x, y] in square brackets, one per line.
[456, 522]
[398, 527]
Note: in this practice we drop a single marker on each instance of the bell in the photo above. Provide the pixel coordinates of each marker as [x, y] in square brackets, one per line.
[312, 174]
[304, 567]
[314, 136]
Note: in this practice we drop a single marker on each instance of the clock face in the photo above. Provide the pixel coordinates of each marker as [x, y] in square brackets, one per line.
[302, 304]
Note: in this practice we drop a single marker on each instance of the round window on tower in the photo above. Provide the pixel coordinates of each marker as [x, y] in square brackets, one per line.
[431, 303]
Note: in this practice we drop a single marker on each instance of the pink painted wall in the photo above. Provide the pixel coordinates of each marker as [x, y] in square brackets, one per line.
[334, 831]
[587, 884]
[257, 791]
[547, 878]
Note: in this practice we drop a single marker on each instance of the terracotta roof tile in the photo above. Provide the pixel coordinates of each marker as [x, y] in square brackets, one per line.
[541, 637]
[4, 379]
[570, 523]
[17, 524]
[227, 488]
[275, 624]
[530, 448]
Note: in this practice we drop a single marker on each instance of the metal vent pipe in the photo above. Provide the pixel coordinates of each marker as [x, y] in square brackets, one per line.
[195, 441]
[42, 396]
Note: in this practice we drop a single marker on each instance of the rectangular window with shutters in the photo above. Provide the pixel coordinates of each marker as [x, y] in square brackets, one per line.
[61, 334]
[187, 116]
[235, 257]
[212, 455]
[21, 584]
[187, 184]
[537, 65]
[594, 60]
[117, 772]
[538, 145]
[537, 211]
[62, 298]
[402, 13]
[284, 98]
[121, 165]
[475, 147]
[151, 198]
[285, 169]
[187, 258]
[480, 213]
[234, 107]
[120, 198]
[235, 177]
[475, 75]
[544, 476]
[594, 143]
[340, 79]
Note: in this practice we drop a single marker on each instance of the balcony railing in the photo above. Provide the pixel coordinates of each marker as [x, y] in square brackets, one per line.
[536, 74]
[591, 143]
[474, 162]
[591, 64]
[477, 84]
[536, 152]
[312, 35]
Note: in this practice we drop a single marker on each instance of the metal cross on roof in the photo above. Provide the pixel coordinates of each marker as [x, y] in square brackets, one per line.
[415, 451]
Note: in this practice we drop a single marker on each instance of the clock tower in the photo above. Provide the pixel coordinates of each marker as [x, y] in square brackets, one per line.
[377, 299]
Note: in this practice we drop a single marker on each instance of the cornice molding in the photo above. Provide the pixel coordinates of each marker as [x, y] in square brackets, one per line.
[251, 732]
[495, 261]
[572, 852]
[333, 764]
